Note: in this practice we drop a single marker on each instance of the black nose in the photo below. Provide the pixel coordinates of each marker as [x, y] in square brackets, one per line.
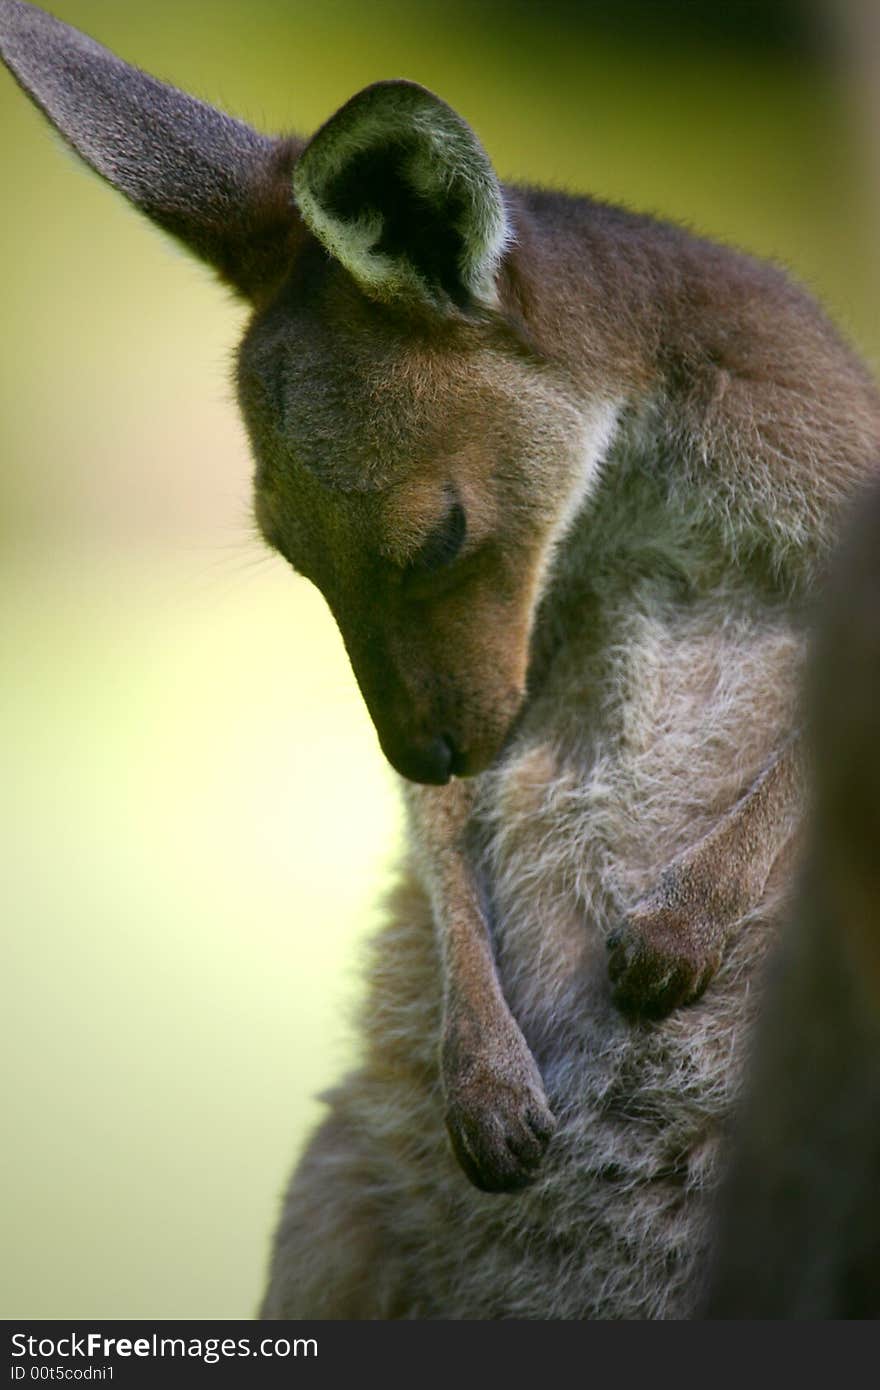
[432, 761]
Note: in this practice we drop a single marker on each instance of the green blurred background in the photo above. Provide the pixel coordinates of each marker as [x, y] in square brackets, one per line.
[197, 823]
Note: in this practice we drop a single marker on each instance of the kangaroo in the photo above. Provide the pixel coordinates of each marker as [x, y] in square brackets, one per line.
[568, 478]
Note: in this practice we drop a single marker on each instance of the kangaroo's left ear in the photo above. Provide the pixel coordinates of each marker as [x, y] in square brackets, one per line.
[213, 182]
[400, 190]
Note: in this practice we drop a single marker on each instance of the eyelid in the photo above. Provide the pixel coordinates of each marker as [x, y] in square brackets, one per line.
[442, 545]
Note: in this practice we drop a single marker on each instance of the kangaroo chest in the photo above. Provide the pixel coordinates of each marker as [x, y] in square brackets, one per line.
[633, 748]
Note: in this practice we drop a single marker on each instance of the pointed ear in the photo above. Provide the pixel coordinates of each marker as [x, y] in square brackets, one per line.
[399, 189]
[217, 185]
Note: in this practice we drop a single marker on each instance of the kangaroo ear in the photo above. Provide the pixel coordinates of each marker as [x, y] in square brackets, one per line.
[217, 185]
[399, 189]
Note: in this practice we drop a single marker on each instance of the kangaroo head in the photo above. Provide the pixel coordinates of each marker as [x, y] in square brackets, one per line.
[416, 457]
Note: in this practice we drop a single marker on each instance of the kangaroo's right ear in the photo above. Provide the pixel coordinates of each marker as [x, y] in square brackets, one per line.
[399, 189]
[213, 182]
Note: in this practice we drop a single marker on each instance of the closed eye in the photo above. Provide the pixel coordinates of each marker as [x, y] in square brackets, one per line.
[442, 545]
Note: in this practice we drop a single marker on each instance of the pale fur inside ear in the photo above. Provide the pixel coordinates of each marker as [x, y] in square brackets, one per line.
[398, 188]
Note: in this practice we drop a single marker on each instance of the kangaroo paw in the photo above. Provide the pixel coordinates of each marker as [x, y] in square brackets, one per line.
[497, 1116]
[660, 958]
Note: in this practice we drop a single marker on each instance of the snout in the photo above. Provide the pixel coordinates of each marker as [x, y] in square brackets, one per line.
[430, 760]
[435, 722]
[434, 759]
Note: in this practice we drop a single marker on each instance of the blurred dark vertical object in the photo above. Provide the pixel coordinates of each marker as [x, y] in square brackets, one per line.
[799, 1218]
[799, 1226]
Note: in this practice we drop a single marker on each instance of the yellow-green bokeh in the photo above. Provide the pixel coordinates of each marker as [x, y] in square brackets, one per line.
[197, 822]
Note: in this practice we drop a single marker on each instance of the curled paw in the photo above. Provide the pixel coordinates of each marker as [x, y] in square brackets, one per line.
[497, 1117]
[661, 957]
